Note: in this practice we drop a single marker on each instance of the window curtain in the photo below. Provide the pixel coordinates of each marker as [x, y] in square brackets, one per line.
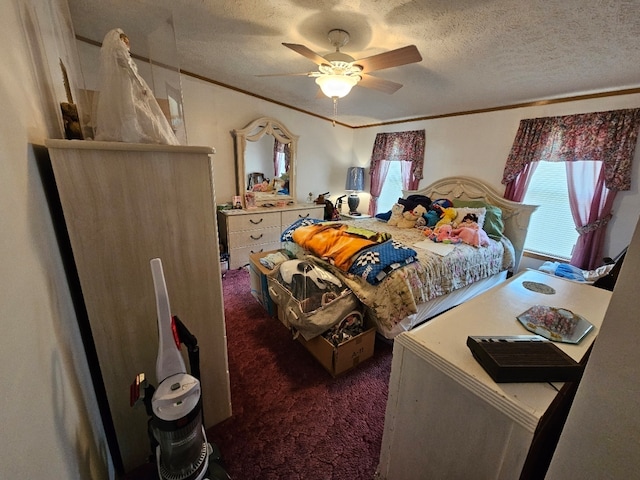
[281, 158]
[405, 147]
[606, 139]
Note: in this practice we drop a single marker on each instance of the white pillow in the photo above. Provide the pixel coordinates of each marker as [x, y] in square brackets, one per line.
[479, 212]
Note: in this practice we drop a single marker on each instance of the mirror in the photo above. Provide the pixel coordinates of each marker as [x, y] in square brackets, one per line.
[265, 161]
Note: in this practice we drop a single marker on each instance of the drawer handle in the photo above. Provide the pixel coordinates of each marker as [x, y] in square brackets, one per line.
[259, 251]
[256, 238]
[304, 216]
[256, 223]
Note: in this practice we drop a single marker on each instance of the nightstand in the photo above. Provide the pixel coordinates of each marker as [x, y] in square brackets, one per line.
[348, 216]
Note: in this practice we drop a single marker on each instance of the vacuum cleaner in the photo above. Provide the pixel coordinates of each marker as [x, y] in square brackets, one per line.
[176, 431]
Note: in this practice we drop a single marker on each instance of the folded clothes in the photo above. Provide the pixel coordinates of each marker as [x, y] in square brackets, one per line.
[563, 270]
[272, 260]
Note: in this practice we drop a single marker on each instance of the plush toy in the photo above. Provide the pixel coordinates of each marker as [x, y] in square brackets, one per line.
[470, 233]
[442, 234]
[396, 214]
[410, 218]
[431, 218]
[447, 216]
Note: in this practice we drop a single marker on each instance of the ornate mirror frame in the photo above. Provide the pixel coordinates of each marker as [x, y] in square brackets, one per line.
[254, 132]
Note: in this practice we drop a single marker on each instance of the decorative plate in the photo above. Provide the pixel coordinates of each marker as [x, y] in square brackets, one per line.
[557, 324]
[539, 287]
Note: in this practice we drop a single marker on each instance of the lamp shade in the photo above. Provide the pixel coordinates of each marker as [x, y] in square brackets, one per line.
[336, 86]
[355, 179]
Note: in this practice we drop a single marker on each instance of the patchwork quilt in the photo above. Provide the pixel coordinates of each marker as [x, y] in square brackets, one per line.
[366, 253]
[392, 277]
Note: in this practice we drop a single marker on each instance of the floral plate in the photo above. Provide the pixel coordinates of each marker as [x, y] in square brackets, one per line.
[557, 324]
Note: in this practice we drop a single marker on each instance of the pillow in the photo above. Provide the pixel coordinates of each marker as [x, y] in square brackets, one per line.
[493, 224]
[461, 212]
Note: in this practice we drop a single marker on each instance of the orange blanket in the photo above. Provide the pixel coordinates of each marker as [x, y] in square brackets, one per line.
[335, 242]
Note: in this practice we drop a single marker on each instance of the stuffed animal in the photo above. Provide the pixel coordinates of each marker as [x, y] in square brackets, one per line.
[396, 214]
[447, 216]
[470, 233]
[442, 234]
[410, 218]
[432, 217]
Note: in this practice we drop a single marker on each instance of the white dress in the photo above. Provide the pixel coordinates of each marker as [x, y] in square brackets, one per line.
[126, 109]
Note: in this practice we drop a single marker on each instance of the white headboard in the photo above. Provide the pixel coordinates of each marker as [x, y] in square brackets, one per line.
[515, 215]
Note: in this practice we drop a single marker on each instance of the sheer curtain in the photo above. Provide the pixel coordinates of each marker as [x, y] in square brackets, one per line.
[598, 149]
[278, 158]
[405, 147]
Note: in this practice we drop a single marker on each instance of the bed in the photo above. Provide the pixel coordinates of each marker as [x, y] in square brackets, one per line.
[442, 275]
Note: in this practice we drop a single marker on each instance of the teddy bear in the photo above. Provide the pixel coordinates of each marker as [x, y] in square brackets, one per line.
[396, 214]
[410, 217]
[447, 216]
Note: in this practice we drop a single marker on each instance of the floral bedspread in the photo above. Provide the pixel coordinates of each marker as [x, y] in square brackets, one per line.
[433, 275]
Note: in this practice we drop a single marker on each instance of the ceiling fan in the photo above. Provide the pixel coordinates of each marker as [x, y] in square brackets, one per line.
[338, 72]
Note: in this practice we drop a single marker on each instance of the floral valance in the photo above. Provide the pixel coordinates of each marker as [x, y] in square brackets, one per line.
[400, 146]
[609, 137]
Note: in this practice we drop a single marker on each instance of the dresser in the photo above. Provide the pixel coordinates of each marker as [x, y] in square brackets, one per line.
[122, 205]
[244, 232]
[446, 418]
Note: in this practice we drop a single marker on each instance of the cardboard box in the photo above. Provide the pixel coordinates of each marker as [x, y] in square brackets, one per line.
[258, 280]
[344, 357]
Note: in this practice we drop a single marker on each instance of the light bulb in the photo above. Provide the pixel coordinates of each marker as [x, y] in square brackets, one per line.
[336, 86]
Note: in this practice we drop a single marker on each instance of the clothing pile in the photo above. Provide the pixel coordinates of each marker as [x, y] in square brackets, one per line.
[312, 299]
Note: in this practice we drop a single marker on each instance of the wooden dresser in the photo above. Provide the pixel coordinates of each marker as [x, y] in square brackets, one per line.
[446, 417]
[123, 205]
[244, 232]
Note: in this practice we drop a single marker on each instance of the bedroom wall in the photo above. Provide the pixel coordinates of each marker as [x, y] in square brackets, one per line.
[478, 145]
[48, 411]
[212, 112]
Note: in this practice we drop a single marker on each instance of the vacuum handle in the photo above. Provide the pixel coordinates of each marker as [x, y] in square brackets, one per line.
[169, 361]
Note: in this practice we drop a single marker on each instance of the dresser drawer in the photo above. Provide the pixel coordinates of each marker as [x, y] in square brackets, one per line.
[239, 257]
[290, 216]
[258, 221]
[247, 238]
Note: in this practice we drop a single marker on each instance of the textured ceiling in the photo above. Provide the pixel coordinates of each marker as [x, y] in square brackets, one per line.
[477, 54]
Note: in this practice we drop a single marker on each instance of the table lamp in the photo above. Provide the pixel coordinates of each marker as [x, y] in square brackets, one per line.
[355, 184]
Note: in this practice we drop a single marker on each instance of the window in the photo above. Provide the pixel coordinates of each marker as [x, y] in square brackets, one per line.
[391, 188]
[406, 148]
[552, 230]
[597, 151]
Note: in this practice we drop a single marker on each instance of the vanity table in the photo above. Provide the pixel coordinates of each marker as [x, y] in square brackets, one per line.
[446, 417]
[247, 231]
[265, 152]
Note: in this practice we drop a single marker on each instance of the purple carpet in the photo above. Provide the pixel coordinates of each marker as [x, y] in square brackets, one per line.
[291, 419]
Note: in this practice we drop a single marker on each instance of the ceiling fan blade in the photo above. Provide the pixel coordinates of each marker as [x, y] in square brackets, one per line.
[307, 52]
[393, 58]
[375, 83]
[305, 74]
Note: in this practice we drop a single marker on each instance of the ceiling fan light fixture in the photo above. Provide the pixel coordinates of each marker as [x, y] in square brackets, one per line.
[337, 86]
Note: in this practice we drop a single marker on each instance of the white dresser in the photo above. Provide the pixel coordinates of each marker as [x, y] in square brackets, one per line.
[244, 232]
[447, 419]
